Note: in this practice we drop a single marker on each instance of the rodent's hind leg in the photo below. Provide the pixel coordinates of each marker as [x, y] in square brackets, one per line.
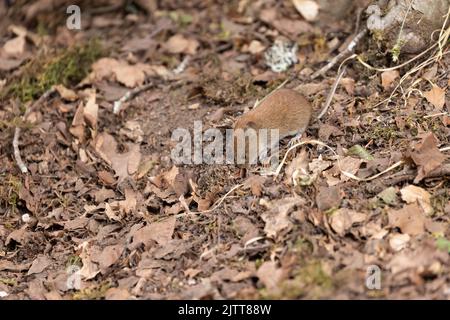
[296, 139]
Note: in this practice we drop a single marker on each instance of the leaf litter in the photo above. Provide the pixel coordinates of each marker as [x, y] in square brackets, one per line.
[103, 190]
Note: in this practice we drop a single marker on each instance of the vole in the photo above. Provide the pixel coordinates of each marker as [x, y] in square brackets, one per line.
[284, 109]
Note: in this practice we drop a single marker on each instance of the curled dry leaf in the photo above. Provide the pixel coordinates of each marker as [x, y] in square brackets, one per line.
[412, 194]
[388, 77]
[109, 256]
[160, 232]
[39, 264]
[124, 164]
[436, 96]
[427, 156]
[15, 47]
[179, 44]
[343, 219]
[277, 218]
[90, 111]
[410, 219]
[89, 269]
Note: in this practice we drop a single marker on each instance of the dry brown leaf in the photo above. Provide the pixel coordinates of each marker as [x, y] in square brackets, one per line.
[343, 219]
[399, 241]
[89, 269]
[270, 275]
[124, 164]
[427, 156]
[412, 194]
[109, 256]
[309, 9]
[65, 93]
[328, 197]
[117, 294]
[179, 44]
[129, 75]
[254, 47]
[39, 264]
[277, 218]
[387, 77]
[90, 111]
[410, 219]
[436, 96]
[160, 232]
[15, 47]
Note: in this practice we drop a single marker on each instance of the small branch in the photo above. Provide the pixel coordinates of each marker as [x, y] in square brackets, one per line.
[130, 95]
[134, 92]
[350, 48]
[331, 94]
[23, 168]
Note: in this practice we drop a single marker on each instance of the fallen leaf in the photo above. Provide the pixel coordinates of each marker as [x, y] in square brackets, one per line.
[254, 47]
[277, 218]
[343, 219]
[39, 264]
[65, 93]
[15, 47]
[89, 269]
[255, 183]
[129, 75]
[117, 294]
[109, 256]
[90, 111]
[388, 195]
[387, 77]
[328, 198]
[412, 194]
[160, 232]
[179, 44]
[436, 96]
[399, 241]
[427, 156]
[270, 275]
[410, 219]
[124, 164]
[309, 9]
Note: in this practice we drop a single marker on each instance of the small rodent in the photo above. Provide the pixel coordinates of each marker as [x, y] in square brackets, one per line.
[284, 109]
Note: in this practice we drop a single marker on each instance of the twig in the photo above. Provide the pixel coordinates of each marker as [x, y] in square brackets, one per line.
[134, 92]
[217, 205]
[331, 93]
[130, 95]
[22, 166]
[351, 46]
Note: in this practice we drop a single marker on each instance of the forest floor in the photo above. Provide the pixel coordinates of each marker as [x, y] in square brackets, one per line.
[103, 212]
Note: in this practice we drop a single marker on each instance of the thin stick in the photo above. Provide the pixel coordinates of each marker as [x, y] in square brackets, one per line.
[130, 95]
[22, 166]
[351, 46]
[217, 205]
[331, 94]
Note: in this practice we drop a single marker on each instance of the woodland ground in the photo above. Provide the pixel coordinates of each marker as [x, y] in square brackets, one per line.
[103, 200]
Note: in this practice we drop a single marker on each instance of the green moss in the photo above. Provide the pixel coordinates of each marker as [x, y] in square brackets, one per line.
[66, 67]
[92, 293]
[309, 280]
[9, 192]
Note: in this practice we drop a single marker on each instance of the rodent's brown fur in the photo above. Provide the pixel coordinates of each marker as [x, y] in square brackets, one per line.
[284, 109]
